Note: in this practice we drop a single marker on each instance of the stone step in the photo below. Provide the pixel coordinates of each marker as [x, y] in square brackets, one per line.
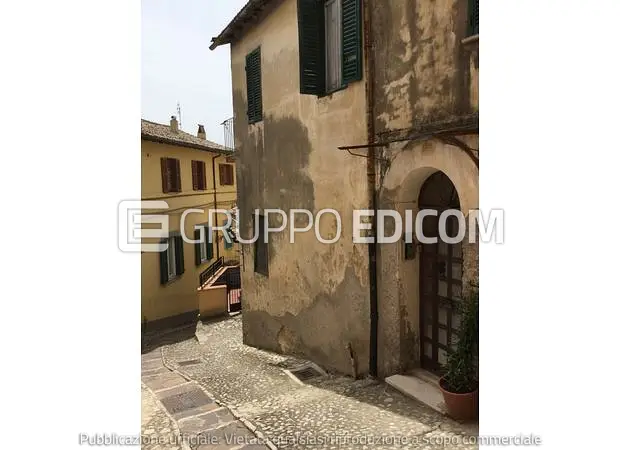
[422, 386]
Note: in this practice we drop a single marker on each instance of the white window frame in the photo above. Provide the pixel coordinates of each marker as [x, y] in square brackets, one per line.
[333, 45]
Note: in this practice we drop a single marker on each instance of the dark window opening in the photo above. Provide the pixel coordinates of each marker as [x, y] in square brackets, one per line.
[261, 249]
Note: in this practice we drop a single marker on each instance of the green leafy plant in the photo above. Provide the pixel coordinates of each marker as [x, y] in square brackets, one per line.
[461, 370]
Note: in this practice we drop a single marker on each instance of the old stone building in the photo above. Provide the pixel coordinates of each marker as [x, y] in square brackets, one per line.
[351, 104]
[425, 71]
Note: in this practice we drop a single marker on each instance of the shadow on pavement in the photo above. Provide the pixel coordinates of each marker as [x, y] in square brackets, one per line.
[381, 395]
[153, 341]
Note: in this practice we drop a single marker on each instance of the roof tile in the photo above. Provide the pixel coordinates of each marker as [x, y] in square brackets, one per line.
[163, 133]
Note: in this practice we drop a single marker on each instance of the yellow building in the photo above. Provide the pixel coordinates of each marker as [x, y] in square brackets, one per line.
[187, 172]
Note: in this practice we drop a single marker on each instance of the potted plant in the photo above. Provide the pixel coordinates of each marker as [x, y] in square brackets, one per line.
[459, 385]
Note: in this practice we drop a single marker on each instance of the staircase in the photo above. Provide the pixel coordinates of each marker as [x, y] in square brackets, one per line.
[219, 292]
[212, 275]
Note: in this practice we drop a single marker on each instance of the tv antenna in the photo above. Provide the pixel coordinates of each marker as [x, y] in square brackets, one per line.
[179, 114]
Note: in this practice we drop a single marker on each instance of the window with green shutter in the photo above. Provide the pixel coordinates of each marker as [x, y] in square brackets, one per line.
[254, 86]
[228, 244]
[203, 249]
[311, 24]
[330, 45]
[473, 18]
[351, 41]
[171, 260]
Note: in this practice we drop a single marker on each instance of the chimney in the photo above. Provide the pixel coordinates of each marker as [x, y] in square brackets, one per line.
[174, 124]
[201, 132]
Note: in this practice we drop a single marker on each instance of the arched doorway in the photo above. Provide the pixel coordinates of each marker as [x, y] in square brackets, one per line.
[441, 271]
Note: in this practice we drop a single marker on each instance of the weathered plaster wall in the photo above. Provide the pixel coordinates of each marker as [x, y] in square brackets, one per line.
[423, 70]
[315, 300]
[471, 50]
[398, 280]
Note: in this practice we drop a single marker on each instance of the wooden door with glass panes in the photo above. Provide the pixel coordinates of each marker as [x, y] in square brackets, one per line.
[441, 269]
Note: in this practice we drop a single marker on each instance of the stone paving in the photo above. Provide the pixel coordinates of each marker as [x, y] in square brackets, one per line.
[158, 431]
[326, 412]
[178, 414]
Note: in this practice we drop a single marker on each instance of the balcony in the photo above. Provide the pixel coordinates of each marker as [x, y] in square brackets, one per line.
[229, 135]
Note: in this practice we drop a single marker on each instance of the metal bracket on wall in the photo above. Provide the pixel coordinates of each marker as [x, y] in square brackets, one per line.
[451, 140]
[363, 156]
[446, 138]
[444, 130]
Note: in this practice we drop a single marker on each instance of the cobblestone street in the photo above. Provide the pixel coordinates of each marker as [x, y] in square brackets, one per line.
[178, 414]
[326, 411]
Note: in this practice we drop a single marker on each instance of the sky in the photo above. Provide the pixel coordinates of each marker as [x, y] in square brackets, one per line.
[177, 65]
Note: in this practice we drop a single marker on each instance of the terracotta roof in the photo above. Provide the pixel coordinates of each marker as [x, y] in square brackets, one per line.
[249, 14]
[157, 132]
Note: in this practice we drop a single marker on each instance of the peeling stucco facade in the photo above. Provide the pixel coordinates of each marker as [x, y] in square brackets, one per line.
[426, 70]
[315, 300]
[423, 69]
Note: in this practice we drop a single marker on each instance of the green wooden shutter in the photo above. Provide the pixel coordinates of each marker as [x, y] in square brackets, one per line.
[228, 245]
[473, 17]
[409, 247]
[254, 86]
[311, 24]
[180, 260]
[351, 41]
[209, 244]
[163, 265]
[197, 258]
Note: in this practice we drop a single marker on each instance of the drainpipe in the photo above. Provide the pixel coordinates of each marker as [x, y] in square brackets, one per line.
[217, 247]
[372, 191]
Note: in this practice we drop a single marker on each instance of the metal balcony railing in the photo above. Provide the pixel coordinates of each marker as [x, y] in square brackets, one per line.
[229, 135]
[210, 271]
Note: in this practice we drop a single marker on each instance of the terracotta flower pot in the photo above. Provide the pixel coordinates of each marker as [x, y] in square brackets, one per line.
[460, 406]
